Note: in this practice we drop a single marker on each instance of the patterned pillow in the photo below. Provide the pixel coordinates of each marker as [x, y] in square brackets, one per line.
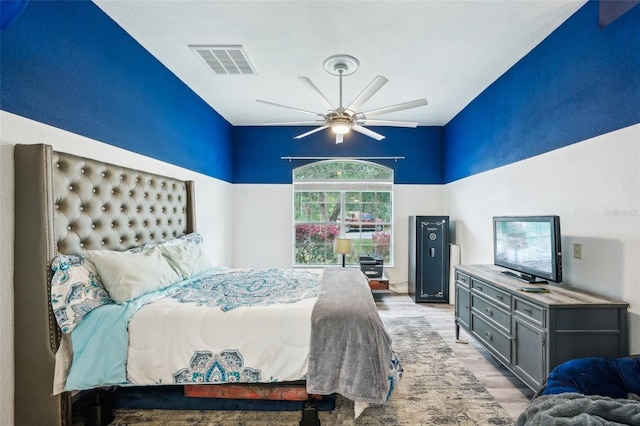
[193, 237]
[76, 290]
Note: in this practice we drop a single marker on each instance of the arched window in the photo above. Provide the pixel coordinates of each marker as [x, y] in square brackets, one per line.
[342, 199]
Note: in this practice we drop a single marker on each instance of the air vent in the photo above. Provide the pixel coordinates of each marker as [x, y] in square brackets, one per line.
[225, 60]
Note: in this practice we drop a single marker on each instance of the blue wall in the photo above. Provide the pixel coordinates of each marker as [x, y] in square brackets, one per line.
[67, 64]
[257, 152]
[578, 83]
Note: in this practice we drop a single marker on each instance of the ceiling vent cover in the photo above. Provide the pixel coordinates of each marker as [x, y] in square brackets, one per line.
[225, 60]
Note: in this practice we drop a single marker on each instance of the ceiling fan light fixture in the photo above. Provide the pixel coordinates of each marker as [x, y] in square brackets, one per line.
[340, 128]
[340, 124]
[342, 119]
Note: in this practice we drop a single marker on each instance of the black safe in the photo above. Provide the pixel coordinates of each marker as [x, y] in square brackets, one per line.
[429, 258]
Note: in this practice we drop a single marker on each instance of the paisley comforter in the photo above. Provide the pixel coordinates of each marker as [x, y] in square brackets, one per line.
[243, 326]
[222, 326]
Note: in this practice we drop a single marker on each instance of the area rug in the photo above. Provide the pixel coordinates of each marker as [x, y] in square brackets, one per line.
[436, 389]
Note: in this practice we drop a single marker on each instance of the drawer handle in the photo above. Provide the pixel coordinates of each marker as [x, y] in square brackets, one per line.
[489, 336]
[499, 297]
[489, 311]
[479, 288]
[527, 311]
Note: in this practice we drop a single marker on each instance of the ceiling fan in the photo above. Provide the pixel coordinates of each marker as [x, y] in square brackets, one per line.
[342, 119]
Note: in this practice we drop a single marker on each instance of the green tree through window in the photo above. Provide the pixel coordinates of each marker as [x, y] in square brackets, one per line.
[342, 199]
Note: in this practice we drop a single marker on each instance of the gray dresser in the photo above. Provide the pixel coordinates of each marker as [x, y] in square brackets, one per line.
[531, 333]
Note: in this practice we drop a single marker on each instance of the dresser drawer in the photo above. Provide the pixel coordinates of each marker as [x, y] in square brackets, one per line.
[534, 313]
[492, 312]
[497, 342]
[502, 298]
[462, 278]
[463, 311]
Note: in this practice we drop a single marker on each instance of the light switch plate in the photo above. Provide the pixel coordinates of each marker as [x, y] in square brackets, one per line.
[577, 250]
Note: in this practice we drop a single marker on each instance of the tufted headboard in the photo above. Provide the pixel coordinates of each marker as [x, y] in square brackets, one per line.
[64, 204]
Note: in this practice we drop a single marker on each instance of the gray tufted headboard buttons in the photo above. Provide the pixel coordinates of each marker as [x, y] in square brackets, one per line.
[65, 203]
[102, 206]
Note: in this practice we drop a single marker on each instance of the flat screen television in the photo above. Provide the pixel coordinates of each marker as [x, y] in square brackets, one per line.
[529, 246]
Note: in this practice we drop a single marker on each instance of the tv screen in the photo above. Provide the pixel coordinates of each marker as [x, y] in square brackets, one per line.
[529, 245]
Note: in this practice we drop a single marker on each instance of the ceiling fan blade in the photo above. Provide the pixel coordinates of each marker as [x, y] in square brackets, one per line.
[367, 93]
[367, 132]
[392, 123]
[325, 102]
[317, 129]
[288, 107]
[394, 108]
[295, 123]
[339, 138]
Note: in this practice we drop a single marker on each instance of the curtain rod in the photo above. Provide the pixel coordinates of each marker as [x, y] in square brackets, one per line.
[343, 158]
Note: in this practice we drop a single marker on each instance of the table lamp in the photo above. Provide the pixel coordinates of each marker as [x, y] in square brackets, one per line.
[343, 247]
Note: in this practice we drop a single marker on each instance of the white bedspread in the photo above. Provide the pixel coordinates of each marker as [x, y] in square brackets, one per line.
[173, 342]
[221, 332]
[226, 325]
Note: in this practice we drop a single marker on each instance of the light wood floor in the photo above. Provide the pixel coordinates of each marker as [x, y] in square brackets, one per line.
[508, 390]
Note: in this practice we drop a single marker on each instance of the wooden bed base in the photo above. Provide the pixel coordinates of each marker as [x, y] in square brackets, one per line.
[98, 405]
[272, 392]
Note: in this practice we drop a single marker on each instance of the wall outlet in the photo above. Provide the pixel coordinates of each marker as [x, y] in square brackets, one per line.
[577, 250]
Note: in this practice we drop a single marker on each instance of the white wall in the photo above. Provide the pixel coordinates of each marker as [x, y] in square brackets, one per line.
[213, 216]
[262, 230]
[263, 234]
[410, 200]
[594, 186]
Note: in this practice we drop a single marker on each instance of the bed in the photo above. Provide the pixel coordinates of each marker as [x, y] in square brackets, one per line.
[72, 212]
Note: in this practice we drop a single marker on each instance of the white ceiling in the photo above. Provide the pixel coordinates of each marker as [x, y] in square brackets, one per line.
[448, 51]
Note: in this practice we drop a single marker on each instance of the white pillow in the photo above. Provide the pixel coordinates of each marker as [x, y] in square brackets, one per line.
[127, 275]
[187, 257]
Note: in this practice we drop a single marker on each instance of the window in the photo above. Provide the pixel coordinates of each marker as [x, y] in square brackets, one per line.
[342, 199]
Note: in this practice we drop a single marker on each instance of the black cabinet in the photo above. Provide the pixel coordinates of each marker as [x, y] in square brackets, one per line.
[429, 258]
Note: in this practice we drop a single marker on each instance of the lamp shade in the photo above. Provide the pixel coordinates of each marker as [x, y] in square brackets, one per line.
[343, 246]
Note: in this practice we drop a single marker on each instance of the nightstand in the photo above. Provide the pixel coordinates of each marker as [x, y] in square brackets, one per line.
[379, 283]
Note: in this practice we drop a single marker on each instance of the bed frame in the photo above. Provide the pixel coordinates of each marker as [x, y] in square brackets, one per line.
[65, 203]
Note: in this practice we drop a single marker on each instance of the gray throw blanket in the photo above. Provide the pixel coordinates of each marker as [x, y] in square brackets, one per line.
[350, 350]
[580, 410]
